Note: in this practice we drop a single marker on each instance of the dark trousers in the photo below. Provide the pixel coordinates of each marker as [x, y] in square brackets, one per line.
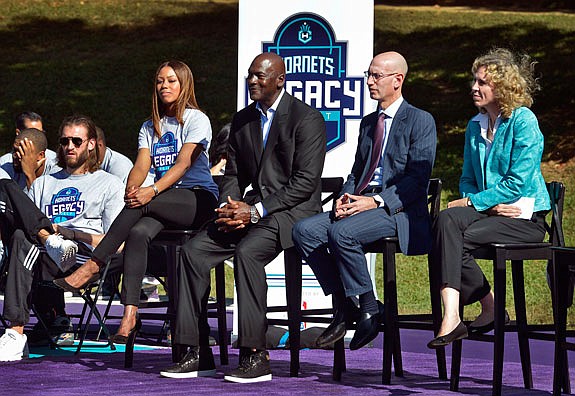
[252, 248]
[137, 227]
[20, 222]
[335, 249]
[17, 211]
[458, 231]
[27, 266]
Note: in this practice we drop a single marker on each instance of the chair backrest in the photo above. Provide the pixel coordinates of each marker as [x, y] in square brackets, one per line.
[434, 197]
[557, 196]
[331, 186]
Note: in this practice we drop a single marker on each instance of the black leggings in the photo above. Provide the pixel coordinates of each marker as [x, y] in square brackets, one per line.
[137, 227]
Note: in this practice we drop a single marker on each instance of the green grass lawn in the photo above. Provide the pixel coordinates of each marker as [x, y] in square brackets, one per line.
[59, 57]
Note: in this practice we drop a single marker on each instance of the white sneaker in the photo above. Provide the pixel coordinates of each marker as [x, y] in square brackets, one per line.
[12, 346]
[62, 251]
[150, 280]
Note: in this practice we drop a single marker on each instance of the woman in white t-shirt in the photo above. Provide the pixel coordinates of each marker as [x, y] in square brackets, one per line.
[175, 142]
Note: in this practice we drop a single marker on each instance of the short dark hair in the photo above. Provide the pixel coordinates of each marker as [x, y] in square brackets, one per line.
[36, 136]
[24, 116]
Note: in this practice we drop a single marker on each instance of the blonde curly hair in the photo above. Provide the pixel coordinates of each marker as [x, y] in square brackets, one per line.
[512, 76]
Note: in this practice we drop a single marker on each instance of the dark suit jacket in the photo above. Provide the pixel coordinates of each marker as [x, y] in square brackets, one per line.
[286, 177]
[407, 164]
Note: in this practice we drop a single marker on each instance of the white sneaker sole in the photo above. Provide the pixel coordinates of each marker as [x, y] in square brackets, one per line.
[12, 358]
[191, 374]
[263, 378]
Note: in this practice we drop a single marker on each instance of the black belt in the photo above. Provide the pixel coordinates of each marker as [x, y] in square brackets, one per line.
[371, 190]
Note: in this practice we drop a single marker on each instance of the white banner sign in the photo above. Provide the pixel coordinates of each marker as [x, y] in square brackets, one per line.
[326, 46]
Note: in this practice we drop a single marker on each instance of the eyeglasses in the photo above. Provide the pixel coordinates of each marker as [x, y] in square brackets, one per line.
[377, 76]
[76, 141]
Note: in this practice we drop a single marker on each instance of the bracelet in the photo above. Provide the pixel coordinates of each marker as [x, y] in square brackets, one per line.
[156, 191]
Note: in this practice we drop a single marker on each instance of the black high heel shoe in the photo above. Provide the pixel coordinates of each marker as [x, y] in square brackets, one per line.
[62, 284]
[131, 337]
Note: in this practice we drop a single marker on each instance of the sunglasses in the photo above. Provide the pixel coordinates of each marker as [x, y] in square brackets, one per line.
[76, 141]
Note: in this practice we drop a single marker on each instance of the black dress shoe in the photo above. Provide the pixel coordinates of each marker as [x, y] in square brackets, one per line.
[367, 328]
[458, 333]
[198, 362]
[337, 328]
[486, 328]
[333, 333]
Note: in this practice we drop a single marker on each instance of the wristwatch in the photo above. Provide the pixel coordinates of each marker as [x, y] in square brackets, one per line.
[469, 203]
[254, 215]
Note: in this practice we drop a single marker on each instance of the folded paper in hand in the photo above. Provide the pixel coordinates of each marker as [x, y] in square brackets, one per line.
[526, 204]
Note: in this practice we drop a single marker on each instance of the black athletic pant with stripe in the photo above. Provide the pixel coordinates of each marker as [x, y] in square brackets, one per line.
[20, 222]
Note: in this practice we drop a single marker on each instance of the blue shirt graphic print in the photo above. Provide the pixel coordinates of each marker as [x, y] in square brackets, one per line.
[164, 154]
[65, 205]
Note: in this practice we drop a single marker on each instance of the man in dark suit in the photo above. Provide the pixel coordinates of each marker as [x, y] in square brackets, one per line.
[276, 146]
[384, 195]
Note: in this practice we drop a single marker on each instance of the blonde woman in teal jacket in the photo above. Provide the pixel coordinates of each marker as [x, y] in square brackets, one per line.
[504, 198]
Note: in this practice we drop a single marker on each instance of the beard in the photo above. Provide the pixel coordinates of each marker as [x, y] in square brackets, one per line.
[78, 161]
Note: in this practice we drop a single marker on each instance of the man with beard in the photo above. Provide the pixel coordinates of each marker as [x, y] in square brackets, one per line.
[77, 206]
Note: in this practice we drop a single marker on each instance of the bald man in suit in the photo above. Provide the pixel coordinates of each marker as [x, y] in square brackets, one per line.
[384, 195]
[277, 146]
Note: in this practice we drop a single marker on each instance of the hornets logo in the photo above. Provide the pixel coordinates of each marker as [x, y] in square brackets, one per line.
[316, 71]
[65, 205]
[164, 154]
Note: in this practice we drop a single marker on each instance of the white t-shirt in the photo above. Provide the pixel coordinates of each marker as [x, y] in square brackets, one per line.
[4, 175]
[117, 164]
[50, 166]
[7, 158]
[88, 202]
[164, 151]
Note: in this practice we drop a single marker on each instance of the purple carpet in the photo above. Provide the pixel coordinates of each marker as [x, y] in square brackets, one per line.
[63, 373]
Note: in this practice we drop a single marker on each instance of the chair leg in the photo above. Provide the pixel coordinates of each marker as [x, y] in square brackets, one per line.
[93, 311]
[178, 351]
[455, 365]
[293, 281]
[560, 286]
[390, 326]
[519, 297]
[456, 360]
[397, 362]
[106, 313]
[222, 315]
[499, 280]
[338, 359]
[434, 287]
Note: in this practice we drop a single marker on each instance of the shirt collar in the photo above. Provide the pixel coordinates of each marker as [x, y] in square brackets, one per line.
[274, 106]
[392, 108]
[483, 120]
